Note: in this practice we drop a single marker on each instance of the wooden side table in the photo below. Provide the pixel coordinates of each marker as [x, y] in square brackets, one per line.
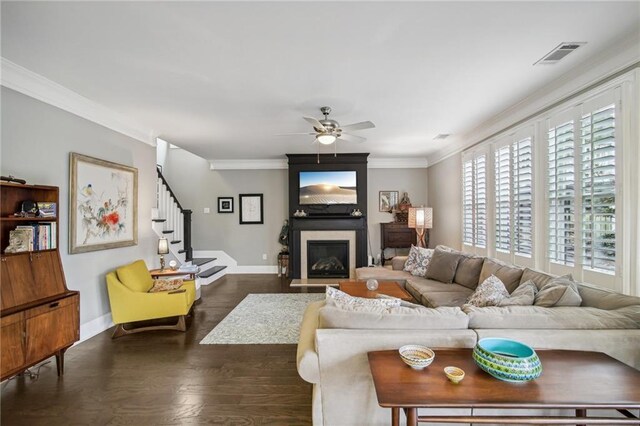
[283, 265]
[166, 273]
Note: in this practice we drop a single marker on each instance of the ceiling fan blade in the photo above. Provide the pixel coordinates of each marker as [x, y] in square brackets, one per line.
[359, 126]
[295, 134]
[352, 138]
[315, 123]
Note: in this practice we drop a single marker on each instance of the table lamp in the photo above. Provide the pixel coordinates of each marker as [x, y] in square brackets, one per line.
[420, 218]
[163, 248]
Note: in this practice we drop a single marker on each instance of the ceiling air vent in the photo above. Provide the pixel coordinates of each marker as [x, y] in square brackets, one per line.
[441, 136]
[559, 52]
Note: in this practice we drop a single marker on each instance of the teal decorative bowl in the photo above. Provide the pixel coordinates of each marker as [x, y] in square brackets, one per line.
[507, 360]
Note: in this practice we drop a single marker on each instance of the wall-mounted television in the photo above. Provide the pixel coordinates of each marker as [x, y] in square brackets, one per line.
[322, 188]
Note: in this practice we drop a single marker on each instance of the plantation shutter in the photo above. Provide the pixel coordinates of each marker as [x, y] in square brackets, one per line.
[480, 200]
[467, 212]
[561, 182]
[503, 198]
[522, 196]
[598, 176]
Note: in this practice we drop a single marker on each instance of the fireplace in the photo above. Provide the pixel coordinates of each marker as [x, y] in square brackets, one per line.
[328, 259]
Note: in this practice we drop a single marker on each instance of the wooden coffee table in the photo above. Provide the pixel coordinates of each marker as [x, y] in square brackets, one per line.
[570, 379]
[389, 288]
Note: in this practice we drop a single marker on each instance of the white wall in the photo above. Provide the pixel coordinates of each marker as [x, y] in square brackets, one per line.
[36, 141]
[197, 187]
[412, 181]
[445, 197]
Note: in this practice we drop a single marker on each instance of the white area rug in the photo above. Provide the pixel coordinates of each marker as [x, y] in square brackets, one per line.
[263, 319]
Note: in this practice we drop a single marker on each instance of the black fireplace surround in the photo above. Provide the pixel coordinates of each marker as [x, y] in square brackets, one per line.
[328, 217]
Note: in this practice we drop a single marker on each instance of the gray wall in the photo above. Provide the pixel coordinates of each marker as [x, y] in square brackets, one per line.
[197, 187]
[412, 181]
[36, 141]
[445, 197]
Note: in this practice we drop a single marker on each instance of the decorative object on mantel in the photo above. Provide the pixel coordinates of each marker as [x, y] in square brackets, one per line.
[163, 248]
[421, 219]
[300, 213]
[387, 201]
[251, 209]
[356, 213]
[103, 205]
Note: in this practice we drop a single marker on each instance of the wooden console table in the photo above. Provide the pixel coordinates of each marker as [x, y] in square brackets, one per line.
[165, 273]
[570, 380]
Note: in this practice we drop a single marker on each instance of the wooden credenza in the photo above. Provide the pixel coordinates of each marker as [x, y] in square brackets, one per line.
[40, 316]
[396, 235]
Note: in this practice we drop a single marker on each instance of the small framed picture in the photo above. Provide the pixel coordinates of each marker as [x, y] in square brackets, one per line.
[251, 209]
[225, 204]
[388, 200]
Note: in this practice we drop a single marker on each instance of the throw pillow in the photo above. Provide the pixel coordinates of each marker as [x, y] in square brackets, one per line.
[423, 258]
[560, 291]
[510, 275]
[165, 285]
[489, 293]
[524, 295]
[342, 300]
[443, 266]
[412, 259]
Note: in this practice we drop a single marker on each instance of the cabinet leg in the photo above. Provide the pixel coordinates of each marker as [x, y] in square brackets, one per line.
[60, 361]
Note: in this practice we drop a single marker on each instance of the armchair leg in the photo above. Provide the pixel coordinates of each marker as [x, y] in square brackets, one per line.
[120, 330]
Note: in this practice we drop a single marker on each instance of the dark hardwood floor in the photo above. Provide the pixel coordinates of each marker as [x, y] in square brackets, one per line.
[167, 377]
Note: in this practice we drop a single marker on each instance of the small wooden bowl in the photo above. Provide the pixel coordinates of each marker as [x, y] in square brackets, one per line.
[454, 374]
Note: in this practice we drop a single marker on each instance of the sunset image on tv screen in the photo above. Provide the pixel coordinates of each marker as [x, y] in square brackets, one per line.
[328, 187]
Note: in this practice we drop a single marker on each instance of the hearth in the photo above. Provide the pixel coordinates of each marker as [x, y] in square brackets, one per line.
[328, 259]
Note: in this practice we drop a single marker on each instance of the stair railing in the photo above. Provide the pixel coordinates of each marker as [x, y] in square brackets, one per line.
[184, 222]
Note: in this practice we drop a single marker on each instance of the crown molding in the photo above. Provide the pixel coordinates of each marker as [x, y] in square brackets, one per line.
[29, 83]
[282, 164]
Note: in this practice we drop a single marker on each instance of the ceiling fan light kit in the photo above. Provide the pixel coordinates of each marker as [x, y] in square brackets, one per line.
[326, 139]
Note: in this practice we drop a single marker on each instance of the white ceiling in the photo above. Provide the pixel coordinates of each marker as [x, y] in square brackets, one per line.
[221, 79]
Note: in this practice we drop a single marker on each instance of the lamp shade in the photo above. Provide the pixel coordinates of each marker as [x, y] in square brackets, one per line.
[163, 246]
[326, 139]
[420, 217]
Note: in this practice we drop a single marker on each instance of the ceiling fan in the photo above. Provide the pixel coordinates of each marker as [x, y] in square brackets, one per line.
[327, 131]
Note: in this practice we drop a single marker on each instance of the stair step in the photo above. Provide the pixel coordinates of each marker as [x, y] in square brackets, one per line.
[182, 251]
[158, 220]
[212, 271]
[202, 260]
[176, 241]
[168, 231]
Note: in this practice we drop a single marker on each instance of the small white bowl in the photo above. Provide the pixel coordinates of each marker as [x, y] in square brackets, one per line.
[454, 374]
[417, 356]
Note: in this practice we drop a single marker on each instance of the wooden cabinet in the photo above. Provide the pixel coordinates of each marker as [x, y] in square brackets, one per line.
[40, 315]
[396, 235]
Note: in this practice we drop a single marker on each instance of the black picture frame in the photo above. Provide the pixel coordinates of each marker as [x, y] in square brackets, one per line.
[251, 207]
[225, 204]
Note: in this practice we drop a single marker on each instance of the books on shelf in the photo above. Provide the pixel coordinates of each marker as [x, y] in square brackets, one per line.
[47, 209]
[33, 237]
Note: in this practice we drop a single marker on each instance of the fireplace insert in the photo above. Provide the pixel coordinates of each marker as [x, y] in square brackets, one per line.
[328, 259]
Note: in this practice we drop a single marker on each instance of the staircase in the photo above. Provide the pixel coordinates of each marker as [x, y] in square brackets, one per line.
[173, 222]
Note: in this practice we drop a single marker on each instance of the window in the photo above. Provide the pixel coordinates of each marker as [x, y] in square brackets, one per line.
[474, 180]
[598, 176]
[522, 196]
[561, 194]
[503, 198]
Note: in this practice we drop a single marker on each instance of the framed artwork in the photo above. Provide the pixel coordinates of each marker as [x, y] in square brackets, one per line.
[225, 204]
[103, 204]
[388, 200]
[251, 209]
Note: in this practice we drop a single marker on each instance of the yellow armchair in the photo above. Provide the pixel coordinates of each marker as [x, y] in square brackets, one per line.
[130, 300]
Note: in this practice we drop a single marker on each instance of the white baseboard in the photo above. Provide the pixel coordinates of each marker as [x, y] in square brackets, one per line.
[223, 258]
[96, 326]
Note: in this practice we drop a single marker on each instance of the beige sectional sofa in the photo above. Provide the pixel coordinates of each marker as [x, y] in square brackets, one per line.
[333, 342]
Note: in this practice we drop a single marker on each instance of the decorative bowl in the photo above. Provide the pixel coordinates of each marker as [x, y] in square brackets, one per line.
[507, 359]
[416, 356]
[454, 374]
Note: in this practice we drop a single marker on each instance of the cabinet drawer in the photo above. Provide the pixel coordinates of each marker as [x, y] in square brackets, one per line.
[51, 327]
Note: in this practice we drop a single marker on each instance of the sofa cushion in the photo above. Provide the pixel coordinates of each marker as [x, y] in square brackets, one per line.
[399, 318]
[135, 276]
[538, 277]
[566, 317]
[560, 291]
[524, 295]
[397, 263]
[443, 266]
[489, 293]
[447, 298]
[605, 299]
[509, 274]
[423, 258]
[469, 267]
